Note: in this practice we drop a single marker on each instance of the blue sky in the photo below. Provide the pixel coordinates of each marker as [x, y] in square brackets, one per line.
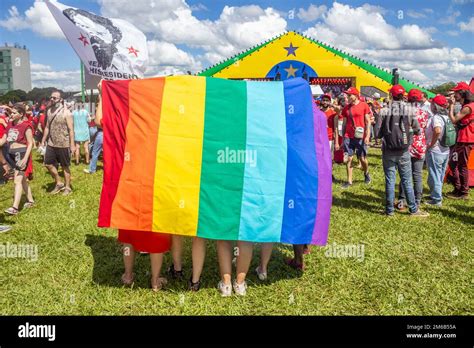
[444, 26]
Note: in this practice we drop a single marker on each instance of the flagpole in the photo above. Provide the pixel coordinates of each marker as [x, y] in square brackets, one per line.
[83, 96]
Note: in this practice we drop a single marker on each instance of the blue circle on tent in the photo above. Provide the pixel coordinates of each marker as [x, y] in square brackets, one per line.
[289, 69]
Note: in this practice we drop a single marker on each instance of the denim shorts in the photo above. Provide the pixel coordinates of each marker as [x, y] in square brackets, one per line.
[358, 146]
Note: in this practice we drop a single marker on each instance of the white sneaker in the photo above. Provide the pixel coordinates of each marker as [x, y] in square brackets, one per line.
[5, 228]
[225, 289]
[261, 275]
[240, 289]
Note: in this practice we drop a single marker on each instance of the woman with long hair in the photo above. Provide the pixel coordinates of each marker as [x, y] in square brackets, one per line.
[19, 139]
[464, 120]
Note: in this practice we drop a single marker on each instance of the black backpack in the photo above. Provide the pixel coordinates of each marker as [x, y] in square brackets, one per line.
[397, 132]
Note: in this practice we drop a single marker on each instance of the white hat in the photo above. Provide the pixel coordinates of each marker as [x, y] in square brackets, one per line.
[376, 95]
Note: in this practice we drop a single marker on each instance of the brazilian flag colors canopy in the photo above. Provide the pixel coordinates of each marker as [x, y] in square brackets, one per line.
[217, 159]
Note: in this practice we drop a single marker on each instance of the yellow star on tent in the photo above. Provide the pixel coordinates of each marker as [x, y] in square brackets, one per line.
[291, 71]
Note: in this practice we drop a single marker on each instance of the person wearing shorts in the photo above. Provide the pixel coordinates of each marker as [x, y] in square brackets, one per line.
[19, 137]
[358, 118]
[59, 137]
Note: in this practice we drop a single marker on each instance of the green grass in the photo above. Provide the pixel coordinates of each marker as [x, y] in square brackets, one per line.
[410, 267]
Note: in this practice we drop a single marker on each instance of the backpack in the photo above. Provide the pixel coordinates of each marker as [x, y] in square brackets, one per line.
[397, 133]
[448, 138]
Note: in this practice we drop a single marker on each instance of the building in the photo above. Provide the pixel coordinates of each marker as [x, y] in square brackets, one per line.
[295, 55]
[15, 72]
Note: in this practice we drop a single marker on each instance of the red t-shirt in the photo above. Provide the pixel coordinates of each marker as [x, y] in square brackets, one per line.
[330, 114]
[3, 125]
[42, 120]
[16, 133]
[466, 133]
[358, 115]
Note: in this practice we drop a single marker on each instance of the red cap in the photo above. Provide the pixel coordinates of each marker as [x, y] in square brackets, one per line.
[353, 91]
[396, 90]
[461, 86]
[326, 96]
[42, 107]
[415, 95]
[440, 100]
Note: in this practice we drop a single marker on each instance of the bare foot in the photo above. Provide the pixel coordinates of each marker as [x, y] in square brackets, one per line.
[128, 279]
[158, 283]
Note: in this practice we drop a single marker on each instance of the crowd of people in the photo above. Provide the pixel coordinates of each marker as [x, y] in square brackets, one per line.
[413, 132]
[56, 130]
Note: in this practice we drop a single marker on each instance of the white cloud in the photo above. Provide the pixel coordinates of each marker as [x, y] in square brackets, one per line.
[44, 76]
[164, 55]
[450, 18]
[469, 26]
[174, 32]
[365, 27]
[37, 18]
[414, 75]
[312, 13]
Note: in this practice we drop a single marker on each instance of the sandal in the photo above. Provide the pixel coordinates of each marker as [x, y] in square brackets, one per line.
[194, 286]
[292, 263]
[67, 191]
[160, 283]
[12, 211]
[128, 281]
[28, 205]
[174, 274]
[58, 188]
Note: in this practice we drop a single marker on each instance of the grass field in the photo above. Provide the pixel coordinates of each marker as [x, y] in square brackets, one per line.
[410, 267]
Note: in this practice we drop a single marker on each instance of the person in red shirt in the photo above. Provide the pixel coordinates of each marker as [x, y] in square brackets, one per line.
[357, 118]
[19, 137]
[464, 120]
[327, 108]
[3, 129]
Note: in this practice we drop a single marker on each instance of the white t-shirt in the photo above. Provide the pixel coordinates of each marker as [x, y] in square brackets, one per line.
[426, 106]
[433, 122]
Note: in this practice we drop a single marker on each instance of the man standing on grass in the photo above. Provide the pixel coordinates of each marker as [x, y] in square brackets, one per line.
[395, 127]
[357, 134]
[59, 137]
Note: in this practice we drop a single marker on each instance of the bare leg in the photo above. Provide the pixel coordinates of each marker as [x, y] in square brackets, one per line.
[156, 261]
[27, 189]
[349, 170]
[365, 164]
[199, 255]
[224, 255]
[265, 255]
[128, 261]
[54, 173]
[243, 260]
[77, 152]
[298, 250]
[67, 177]
[177, 252]
[86, 151]
[18, 179]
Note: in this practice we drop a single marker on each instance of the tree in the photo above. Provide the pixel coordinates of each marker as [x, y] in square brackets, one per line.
[14, 96]
[444, 88]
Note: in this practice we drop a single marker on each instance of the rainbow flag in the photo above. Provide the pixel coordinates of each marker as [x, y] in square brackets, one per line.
[217, 159]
